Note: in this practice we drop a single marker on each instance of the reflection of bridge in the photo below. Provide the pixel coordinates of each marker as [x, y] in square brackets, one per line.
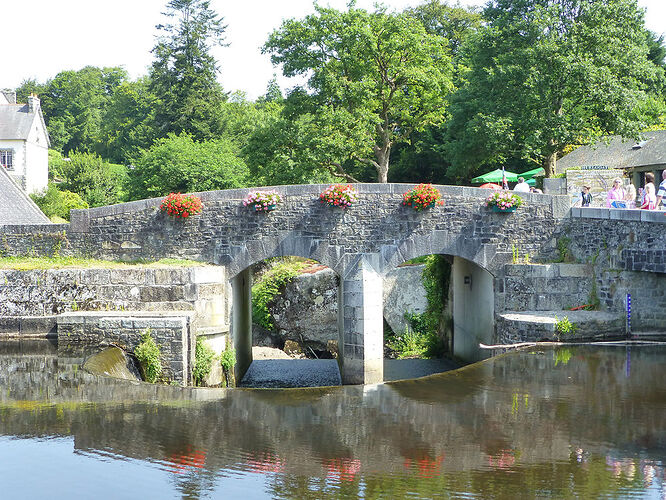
[360, 244]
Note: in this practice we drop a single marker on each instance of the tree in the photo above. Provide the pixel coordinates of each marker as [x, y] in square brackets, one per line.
[374, 78]
[454, 24]
[183, 74]
[86, 174]
[74, 104]
[128, 122]
[178, 163]
[545, 74]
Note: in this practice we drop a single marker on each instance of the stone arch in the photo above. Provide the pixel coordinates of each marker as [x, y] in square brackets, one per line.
[292, 244]
[474, 273]
[436, 242]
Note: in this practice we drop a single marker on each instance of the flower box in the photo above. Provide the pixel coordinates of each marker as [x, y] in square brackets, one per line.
[422, 197]
[339, 195]
[504, 201]
[262, 201]
[179, 205]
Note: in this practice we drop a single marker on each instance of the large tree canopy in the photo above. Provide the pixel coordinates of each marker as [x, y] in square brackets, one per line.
[549, 73]
[374, 78]
[184, 73]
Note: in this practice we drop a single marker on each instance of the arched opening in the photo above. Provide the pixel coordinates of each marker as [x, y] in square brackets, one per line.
[438, 308]
[285, 323]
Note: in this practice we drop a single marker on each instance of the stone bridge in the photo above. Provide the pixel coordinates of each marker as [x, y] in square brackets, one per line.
[361, 244]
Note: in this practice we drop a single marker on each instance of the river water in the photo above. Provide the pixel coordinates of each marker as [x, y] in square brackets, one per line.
[575, 422]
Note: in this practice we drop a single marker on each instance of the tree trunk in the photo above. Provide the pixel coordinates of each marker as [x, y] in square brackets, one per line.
[383, 154]
[549, 164]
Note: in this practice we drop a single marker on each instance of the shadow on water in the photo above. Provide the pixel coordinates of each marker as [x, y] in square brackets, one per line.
[581, 423]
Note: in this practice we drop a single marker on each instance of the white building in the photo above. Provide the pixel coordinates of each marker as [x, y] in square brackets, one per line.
[24, 142]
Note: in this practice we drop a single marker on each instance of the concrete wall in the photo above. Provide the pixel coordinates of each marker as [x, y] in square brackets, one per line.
[473, 309]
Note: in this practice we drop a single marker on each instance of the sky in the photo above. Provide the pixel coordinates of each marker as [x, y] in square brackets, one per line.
[44, 37]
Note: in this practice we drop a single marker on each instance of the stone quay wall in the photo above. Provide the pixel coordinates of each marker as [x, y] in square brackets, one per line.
[26, 295]
[172, 332]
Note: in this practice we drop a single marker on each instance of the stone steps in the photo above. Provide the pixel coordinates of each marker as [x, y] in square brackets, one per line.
[532, 326]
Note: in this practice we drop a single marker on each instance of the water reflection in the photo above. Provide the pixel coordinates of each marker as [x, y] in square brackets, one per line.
[577, 422]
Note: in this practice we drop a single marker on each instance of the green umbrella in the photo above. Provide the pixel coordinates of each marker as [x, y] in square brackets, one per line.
[496, 176]
[535, 172]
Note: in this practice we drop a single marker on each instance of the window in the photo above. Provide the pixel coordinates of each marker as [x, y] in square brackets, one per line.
[7, 158]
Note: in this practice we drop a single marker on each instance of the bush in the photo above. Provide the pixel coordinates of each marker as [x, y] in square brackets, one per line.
[148, 355]
[228, 361]
[564, 328]
[417, 341]
[56, 203]
[203, 361]
[269, 285]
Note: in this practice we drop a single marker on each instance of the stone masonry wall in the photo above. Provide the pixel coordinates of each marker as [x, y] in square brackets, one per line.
[172, 334]
[40, 293]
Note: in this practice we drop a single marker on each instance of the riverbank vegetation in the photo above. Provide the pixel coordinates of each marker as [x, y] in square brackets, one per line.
[435, 93]
[148, 355]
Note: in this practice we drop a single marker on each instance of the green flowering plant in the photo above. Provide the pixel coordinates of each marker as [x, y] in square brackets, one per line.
[181, 205]
[339, 195]
[262, 201]
[504, 200]
[421, 197]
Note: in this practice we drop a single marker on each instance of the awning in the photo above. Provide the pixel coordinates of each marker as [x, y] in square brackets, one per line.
[495, 176]
[535, 172]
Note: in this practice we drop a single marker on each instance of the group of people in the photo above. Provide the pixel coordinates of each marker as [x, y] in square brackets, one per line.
[621, 197]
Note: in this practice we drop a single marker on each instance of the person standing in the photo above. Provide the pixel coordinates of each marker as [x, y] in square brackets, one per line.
[585, 197]
[661, 193]
[630, 198]
[649, 198]
[615, 194]
[522, 186]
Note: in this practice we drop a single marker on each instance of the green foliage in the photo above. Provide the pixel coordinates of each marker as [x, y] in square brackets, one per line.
[56, 203]
[564, 328]
[435, 277]
[454, 24]
[269, 285]
[563, 250]
[74, 104]
[418, 340]
[543, 75]
[148, 355]
[128, 124]
[228, 359]
[184, 73]
[98, 182]
[203, 361]
[180, 164]
[374, 78]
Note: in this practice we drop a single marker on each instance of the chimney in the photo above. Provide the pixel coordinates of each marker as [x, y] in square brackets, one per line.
[10, 95]
[33, 103]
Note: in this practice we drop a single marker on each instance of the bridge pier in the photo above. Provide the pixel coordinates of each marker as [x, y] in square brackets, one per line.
[241, 321]
[360, 324]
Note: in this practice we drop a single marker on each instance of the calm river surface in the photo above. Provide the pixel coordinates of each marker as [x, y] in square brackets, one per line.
[576, 422]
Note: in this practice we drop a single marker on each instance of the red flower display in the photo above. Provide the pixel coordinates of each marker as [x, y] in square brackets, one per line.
[179, 205]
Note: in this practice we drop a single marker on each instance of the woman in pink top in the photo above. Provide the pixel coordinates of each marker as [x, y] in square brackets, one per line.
[616, 193]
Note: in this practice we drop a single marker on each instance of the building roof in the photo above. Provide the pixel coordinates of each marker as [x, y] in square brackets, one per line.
[16, 207]
[16, 121]
[619, 153]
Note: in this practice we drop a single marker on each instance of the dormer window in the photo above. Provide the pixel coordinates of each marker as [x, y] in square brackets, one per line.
[7, 158]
